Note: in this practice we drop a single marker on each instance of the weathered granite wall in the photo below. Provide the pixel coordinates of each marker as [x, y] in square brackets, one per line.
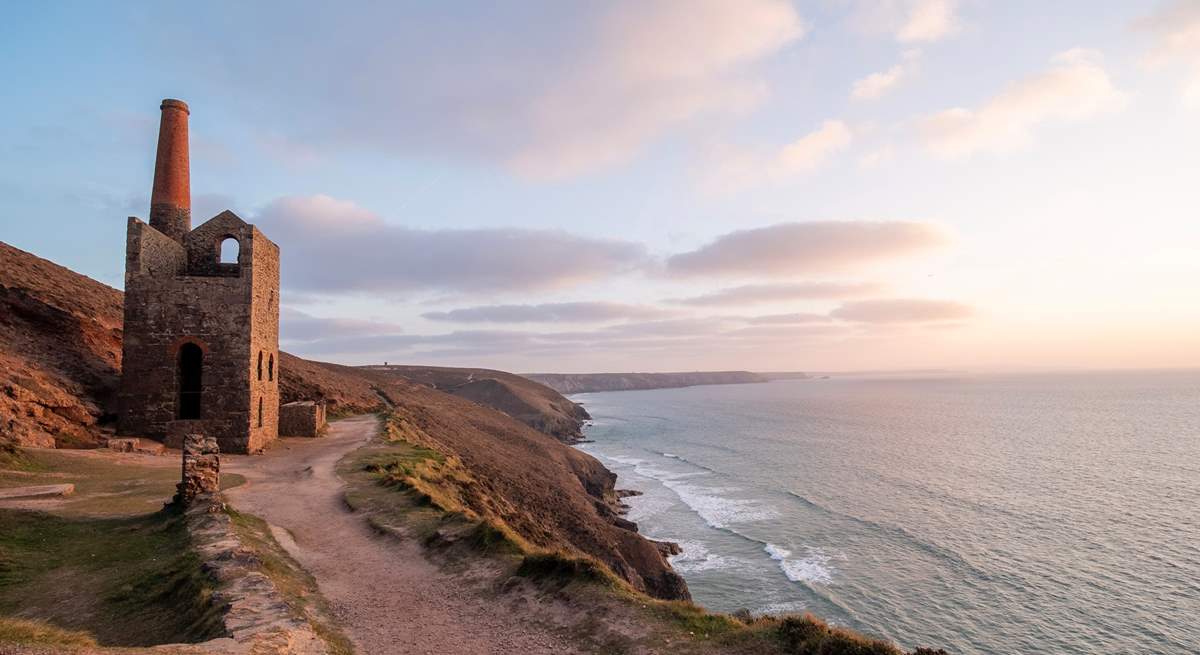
[304, 418]
[233, 319]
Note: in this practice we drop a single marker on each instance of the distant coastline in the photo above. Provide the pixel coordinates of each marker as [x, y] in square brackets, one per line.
[571, 383]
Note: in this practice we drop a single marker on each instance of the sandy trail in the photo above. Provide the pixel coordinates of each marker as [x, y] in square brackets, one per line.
[385, 594]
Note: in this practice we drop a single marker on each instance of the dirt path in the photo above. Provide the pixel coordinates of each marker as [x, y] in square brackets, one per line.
[387, 596]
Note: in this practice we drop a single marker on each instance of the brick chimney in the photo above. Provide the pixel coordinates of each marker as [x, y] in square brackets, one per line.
[171, 200]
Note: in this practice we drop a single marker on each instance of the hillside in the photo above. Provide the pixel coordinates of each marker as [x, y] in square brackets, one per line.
[568, 383]
[527, 401]
[60, 349]
[60, 352]
[60, 363]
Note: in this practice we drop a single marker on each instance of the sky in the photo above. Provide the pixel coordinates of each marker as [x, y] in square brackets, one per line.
[647, 185]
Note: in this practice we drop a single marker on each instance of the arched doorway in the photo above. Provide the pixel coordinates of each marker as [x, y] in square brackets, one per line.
[191, 364]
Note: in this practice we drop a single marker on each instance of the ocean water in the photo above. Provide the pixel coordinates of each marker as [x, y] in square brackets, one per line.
[983, 514]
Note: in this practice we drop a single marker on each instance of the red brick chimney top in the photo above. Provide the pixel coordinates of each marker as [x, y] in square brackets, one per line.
[171, 199]
[175, 104]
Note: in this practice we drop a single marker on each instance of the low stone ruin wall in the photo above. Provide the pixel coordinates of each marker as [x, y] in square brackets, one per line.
[253, 610]
[303, 418]
[201, 468]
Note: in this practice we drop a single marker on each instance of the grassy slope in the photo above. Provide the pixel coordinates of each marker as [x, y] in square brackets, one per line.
[129, 581]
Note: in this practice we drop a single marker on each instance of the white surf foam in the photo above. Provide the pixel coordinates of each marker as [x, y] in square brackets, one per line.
[815, 568]
[776, 552]
[697, 557]
[716, 506]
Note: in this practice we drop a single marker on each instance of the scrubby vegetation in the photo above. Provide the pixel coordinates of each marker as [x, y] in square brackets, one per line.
[126, 581]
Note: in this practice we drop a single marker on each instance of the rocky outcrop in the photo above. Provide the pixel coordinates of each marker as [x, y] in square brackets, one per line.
[568, 383]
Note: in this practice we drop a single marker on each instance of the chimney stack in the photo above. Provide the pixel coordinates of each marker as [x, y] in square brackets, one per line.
[171, 200]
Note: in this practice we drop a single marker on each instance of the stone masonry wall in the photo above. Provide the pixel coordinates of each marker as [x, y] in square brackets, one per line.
[201, 468]
[231, 318]
[301, 419]
[264, 341]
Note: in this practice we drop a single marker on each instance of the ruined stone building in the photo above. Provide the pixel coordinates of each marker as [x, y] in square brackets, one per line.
[201, 347]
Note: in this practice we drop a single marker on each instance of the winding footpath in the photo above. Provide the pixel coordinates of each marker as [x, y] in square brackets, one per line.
[383, 592]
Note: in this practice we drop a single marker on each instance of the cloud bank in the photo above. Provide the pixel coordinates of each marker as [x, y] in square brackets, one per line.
[751, 294]
[561, 312]
[902, 310]
[334, 246]
[802, 248]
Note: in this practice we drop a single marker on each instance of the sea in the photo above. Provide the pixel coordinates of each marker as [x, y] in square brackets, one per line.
[1034, 513]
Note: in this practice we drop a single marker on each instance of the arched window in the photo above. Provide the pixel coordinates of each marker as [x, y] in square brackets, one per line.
[229, 250]
[260, 412]
[190, 373]
[271, 367]
[260, 354]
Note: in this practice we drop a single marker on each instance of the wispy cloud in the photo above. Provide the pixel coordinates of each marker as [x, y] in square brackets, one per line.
[902, 310]
[811, 150]
[909, 21]
[1075, 87]
[788, 319]
[732, 168]
[560, 312]
[335, 246]
[803, 248]
[1175, 28]
[876, 85]
[296, 326]
[751, 294]
[929, 20]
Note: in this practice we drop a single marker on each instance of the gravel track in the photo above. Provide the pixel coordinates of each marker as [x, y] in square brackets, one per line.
[387, 597]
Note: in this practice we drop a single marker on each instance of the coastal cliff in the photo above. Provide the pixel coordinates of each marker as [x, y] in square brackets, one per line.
[568, 383]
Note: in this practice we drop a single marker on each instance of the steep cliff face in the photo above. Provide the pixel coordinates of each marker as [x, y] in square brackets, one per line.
[587, 382]
[60, 352]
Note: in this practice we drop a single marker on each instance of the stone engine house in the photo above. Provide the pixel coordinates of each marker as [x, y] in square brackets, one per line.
[201, 347]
